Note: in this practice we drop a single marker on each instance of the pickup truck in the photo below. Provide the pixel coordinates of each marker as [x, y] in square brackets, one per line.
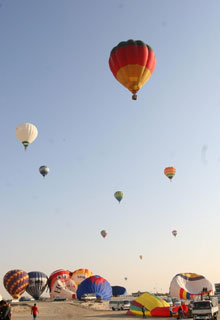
[205, 309]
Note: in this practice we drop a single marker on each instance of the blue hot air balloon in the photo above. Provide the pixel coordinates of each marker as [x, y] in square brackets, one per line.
[37, 284]
[118, 291]
[95, 284]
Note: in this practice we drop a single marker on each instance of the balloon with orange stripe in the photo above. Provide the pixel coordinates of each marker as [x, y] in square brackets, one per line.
[170, 172]
[132, 63]
[16, 282]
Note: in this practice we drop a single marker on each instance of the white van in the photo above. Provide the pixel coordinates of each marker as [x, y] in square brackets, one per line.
[119, 304]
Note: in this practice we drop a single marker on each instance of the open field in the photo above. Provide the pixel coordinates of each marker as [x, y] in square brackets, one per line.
[69, 310]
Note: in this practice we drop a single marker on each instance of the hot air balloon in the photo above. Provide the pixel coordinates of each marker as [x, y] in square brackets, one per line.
[95, 284]
[44, 170]
[81, 274]
[132, 64]
[103, 233]
[118, 291]
[141, 257]
[37, 284]
[61, 285]
[170, 172]
[119, 195]
[126, 278]
[26, 133]
[188, 285]
[174, 232]
[16, 282]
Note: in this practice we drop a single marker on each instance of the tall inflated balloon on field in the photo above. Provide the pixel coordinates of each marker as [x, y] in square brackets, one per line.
[119, 195]
[61, 285]
[81, 274]
[188, 285]
[16, 282]
[97, 285]
[37, 284]
[26, 133]
[132, 63]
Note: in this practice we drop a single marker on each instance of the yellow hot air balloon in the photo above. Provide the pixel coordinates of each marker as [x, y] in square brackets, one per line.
[26, 133]
[81, 274]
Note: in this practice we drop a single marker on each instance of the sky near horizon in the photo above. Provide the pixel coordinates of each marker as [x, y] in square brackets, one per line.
[96, 140]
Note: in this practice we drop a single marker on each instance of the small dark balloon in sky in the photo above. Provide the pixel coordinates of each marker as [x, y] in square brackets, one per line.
[204, 153]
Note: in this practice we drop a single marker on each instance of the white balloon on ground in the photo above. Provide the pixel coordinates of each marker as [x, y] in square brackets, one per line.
[188, 285]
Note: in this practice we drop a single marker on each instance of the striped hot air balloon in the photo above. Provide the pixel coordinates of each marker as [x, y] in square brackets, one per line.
[132, 63]
[37, 284]
[170, 172]
[16, 282]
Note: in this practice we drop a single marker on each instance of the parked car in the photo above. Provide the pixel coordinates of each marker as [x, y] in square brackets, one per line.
[176, 302]
[88, 297]
[168, 300]
[119, 304]
[24, 299]
[59, 299]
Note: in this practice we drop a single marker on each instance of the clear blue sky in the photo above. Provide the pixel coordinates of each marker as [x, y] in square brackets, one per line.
[54, 73]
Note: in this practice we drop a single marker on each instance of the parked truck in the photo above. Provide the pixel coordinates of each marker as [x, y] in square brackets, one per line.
[205, 308]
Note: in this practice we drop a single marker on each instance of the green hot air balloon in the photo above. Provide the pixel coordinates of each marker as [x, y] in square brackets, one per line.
[118, 195]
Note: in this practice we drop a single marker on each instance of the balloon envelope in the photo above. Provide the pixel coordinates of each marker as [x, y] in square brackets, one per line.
[170, 172]
[81, 274]
[174, 232]
[118, 291]
[37, 284]
[26, 133]
[132, 63]
[188, 285]
[16, 282]
[61, 285]
[44, 170]
[95, 284]
[119, 195]
[104, 233]
[141, 257]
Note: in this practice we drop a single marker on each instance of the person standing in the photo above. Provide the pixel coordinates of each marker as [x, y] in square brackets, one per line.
[143, 311]
[5, 312]
[34, 311]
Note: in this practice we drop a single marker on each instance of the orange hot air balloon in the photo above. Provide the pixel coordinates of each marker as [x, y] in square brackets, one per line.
[132, 63]
[170, 172]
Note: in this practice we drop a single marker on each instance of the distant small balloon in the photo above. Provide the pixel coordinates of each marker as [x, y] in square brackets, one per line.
[104, 233]
[141, 257]
[126, 278]
[118, 195]
[44, 170]
[174, 232]
[26, 133]
[170, 172]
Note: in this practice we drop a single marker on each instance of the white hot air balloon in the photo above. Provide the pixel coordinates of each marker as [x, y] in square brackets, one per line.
[26, 133]
[103, 233]
[44, 170]
[174, 233]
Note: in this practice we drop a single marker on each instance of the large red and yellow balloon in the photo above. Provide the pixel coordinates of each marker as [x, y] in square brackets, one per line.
[132, 63]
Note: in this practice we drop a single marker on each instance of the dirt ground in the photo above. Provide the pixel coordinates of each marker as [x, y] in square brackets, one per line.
[70, 310]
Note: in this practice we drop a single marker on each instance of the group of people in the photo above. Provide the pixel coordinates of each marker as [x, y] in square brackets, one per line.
[5, 310]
